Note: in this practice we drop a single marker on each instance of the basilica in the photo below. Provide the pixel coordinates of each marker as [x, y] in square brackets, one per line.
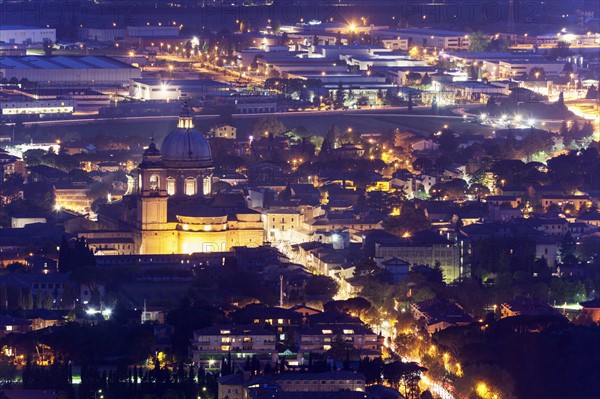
[174, 210]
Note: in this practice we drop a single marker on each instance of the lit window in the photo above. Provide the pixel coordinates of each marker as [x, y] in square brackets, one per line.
[170, 185]
[154, 182]
[9, 328]
[348, 331]
[326, 347]
[225, 332]
[327, 331]
[206, 185]
[190, 186]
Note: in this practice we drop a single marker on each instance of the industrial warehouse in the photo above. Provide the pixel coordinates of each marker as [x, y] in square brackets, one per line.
[85, 71]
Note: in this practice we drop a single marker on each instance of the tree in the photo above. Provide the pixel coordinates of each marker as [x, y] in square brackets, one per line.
[561, 100]
[592, 93]
[410, 220]
[413, 78]
[567, 249]
[340, 97]
[275, 26]
[268, 125]
[318, 285]
[537, 73]
[366, 267]
[426, 80]
[479, 42]
[48, 46]
[407, 375]
[75, 255]
[340, 348]
[434, 106]
[560, 51]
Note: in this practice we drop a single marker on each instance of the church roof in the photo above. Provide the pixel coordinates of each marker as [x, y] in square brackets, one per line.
[185, 143]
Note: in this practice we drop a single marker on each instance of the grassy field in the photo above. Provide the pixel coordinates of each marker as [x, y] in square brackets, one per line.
[140, 131]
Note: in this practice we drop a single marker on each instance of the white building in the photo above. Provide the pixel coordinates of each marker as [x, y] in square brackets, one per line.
[18, 34]
[223, 132]
[160, 89]
[280, 223]
[508, 69]
[364, 63]
[395, 43]
[440, 39]
[241, 340]
[36, 107]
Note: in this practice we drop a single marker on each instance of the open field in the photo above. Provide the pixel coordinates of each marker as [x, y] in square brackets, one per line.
[134, 130]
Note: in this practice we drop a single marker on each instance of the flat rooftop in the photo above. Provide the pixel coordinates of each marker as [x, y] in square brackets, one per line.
[430, 32]
[497, 55]
[180, 82]
[62, 62]
[22, 27]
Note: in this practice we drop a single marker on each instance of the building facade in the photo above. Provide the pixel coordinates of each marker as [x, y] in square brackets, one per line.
[174, 210]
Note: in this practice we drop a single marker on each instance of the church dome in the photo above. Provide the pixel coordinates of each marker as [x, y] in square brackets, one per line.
[186, 144]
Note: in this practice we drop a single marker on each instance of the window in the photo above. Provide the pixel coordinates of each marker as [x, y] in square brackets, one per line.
[154, 183]
[327, 331]
[171, 185]
[190, 186]
[206, 185]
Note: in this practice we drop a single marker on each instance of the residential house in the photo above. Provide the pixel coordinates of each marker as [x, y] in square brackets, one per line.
[440, 314]
[223, 132]
[526, 307]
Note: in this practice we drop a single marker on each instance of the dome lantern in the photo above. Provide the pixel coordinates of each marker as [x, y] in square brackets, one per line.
[186, 144]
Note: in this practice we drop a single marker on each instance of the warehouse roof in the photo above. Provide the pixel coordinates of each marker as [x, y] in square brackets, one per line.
[20, 27]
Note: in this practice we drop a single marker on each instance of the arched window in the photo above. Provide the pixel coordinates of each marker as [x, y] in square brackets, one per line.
[190, 186]
[206, 185]
[170, 185]
[154, 183]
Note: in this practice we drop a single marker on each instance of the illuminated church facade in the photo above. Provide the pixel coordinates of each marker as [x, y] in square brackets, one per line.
[174, 210]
